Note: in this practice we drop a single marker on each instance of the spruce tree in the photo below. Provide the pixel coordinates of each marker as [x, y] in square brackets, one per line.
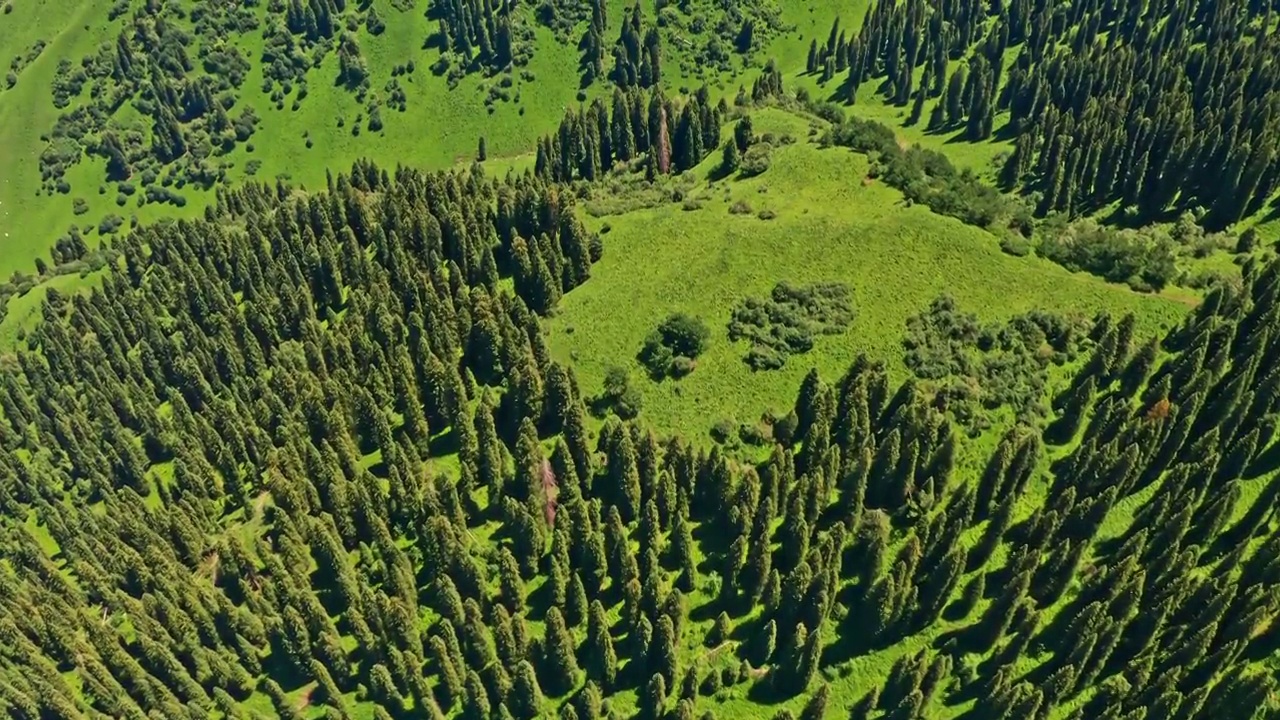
[526, 695]
[560, 666]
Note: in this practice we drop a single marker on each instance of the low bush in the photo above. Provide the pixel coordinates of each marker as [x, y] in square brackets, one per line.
[1015, 245]
[1144, 259]
[722, 430]
[755, 160]
[971, 367]
[619, 395]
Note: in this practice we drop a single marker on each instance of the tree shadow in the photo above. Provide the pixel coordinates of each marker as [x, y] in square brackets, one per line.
[445, 443]
[1005, 133]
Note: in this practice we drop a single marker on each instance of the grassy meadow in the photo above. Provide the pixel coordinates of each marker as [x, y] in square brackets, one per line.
[830, 225]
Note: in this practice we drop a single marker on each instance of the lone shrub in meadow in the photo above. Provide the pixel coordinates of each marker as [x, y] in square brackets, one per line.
[671, 348]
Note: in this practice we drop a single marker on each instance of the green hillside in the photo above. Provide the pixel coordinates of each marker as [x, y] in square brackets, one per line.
[715, 359]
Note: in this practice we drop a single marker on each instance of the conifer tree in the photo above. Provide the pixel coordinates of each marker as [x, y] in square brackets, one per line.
[559, 664]
[526, 695]
[602, 661]
[653, 699]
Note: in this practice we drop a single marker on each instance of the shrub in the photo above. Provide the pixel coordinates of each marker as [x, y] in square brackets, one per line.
[1015, 245]
[741, 207]
[672, 346]
[972, 367]
[685, 335]
[722, 430]
[766, 215]
[656, 356]
[784, 428]
[110, 224]
[681, 366]
[789, 321]
[762, 357]
[755, 160]
[619, 395]
[754, 435]
[1142, 258]
[79, 206]
[374, 22]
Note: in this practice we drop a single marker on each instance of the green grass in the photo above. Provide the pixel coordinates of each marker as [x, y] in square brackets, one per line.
[29, 223]
[24, 310]
[439, 127]
[830, 225]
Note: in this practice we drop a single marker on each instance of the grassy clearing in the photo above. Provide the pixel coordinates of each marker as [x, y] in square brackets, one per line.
[830, 225]
[439, 127]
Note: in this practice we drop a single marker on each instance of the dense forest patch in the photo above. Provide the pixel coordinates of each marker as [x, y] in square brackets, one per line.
[390, 502]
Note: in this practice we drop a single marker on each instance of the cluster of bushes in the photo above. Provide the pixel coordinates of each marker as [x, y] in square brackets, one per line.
[20, 62]
[713, 31]
[972, 367]
[747, 154]
[672, 348]
[927, 176]
[1144, 259]
[772, 428]
[790, 320]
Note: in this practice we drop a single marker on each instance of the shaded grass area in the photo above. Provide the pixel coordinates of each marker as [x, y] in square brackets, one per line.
[830, 225]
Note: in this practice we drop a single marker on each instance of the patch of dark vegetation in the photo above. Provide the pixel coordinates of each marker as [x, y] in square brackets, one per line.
[1143, 259]
[479, 37]
[973, 369]
[928, 177]
[706, 37]
[184, 94]
[20, 62]
[673, 347]
[619, 395]
[638, 126]
[790, 321]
